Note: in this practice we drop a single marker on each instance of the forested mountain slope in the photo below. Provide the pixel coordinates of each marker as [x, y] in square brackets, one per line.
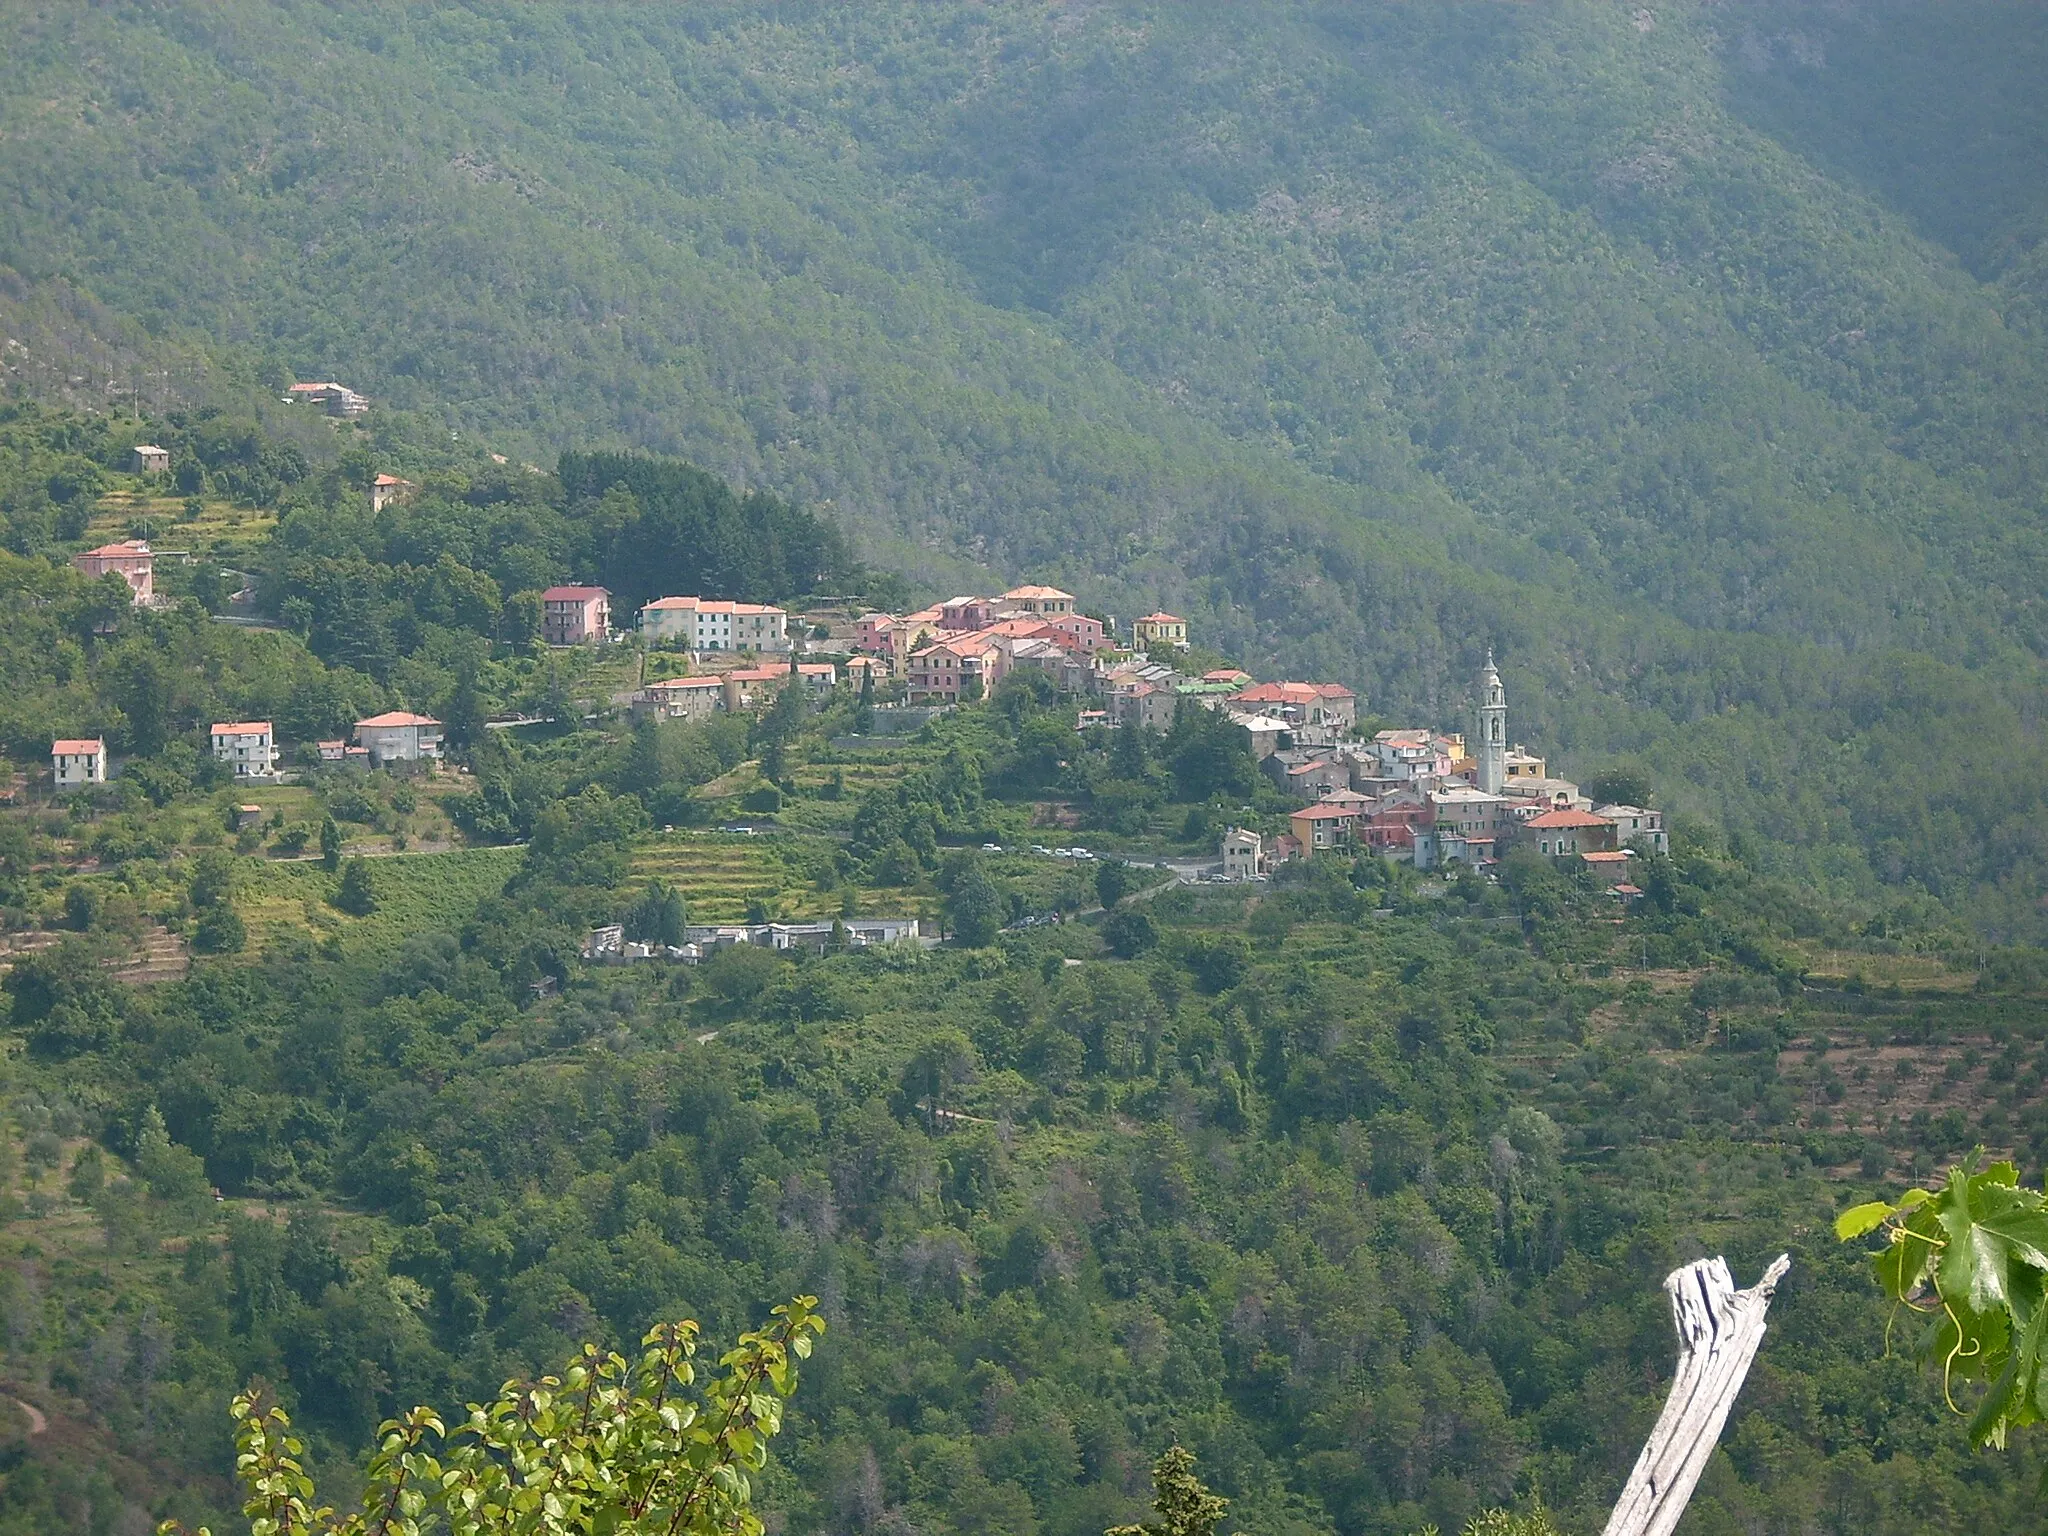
[1689, 355]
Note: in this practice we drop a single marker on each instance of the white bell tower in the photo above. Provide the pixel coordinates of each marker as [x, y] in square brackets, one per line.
[1493, 729]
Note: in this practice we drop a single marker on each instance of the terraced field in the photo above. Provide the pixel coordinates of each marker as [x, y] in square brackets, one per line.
[721, 876]
[416, 893]
[221, 526]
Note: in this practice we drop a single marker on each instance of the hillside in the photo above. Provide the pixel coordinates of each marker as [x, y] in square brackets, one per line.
[1691, 356]
[1357, 1182]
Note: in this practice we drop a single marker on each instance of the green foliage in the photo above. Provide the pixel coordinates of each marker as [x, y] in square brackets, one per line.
[975, 908]
[357, 892]
[1129, 934]
[659, 916]
[631, 1448]
[1973, 1258]
[1185, 1507]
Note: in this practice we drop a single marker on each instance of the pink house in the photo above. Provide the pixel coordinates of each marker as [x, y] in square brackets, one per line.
[131, 560]
[575, 615]
[1086, 632]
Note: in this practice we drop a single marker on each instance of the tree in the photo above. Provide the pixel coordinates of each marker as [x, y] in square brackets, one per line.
[330, 844]
[1113, 881]
[864, 712]
[976, 907]
[463, 714]
[1619, 783]
[1129, 934]
[219, 930]
[627, 1448]
[357, 894]
[1185, 1506]
[659, 916]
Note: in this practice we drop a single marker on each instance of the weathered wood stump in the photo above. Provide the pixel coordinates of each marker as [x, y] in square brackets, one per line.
[1719, 1329]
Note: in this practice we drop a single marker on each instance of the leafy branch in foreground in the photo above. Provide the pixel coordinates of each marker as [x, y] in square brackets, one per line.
[1972, 1258]
[627, 1449]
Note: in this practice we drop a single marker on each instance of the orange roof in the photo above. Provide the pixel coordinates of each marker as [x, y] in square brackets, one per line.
[126, 549]
[572, 594]
[689, 682]
[1620, 857]
[1325, 813]
[392, 480]
[1040, 592]
[1333, 690]
[1162, 618]
[397, 717]
[242, 728]
[1226, 675]
[1551, 821]
[1020, 629]
[83, 746]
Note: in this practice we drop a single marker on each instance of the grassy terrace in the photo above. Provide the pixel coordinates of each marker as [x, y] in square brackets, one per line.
[416, 893]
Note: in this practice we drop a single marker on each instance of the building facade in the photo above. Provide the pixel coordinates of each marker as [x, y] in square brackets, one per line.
[1244, 854]
[249, 747]
[716, 624]
[131, 560]
[77, 762]
[399, 736]
[571, 615]
[151, 460]
[1168, 629]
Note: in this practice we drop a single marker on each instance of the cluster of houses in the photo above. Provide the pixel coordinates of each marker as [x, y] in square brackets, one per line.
[1434, 799]
[609, 944]
[249, 748]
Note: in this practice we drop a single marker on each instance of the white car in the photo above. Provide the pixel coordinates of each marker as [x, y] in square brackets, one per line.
[991, 847]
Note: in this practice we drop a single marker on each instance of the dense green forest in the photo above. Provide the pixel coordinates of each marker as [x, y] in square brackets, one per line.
[1360, 1187]
[1690, 356]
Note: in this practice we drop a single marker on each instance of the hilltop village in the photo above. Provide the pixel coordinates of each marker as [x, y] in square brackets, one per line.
[1420, 796]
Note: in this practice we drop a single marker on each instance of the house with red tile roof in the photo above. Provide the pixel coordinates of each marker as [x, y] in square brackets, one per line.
[574, 615]
[399, 736]
[1329, 704]
[1567, 832]
[78, 761]
[386, 489]
[249, 747]
[131, 560]
[1320, 828]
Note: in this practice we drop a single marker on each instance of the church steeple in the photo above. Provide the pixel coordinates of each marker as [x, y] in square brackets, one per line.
[1493, 729]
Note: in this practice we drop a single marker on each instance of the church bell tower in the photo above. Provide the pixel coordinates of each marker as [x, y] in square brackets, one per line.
[1493, 729]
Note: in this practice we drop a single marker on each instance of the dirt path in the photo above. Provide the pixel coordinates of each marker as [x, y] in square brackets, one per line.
[36, 1422]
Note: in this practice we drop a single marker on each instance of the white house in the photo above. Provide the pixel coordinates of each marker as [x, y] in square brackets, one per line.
[247, 746]
[1244, 854]
[80, 761]
[1635, 827]
[715, 624]
[398, 736]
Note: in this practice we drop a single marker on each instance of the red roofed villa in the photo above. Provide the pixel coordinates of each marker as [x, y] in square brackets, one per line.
[247, 746]
[78, 762]
[131, 560]
[1567, 832]
[572, 615]
[398, 736]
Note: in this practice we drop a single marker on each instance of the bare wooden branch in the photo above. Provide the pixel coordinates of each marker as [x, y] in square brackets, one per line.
[1719, 1329]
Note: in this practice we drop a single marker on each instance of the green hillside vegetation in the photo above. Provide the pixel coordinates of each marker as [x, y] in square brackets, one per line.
[1691, 358]
[1360, 1186]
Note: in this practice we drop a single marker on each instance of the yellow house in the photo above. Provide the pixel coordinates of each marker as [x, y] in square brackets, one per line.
[1160, 629]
